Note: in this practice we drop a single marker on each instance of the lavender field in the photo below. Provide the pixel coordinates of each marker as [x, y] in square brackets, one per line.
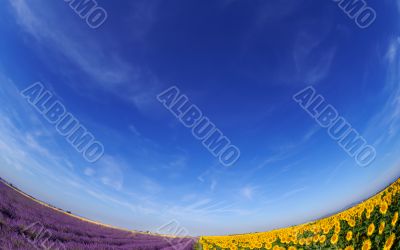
[26, 224]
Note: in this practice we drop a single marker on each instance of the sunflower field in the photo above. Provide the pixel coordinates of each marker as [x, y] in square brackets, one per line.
[373, 224]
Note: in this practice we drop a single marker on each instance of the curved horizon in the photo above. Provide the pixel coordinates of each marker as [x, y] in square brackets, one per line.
[237, 116]
[70, 213]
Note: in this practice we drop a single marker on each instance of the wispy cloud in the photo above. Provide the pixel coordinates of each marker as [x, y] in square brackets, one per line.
[110, 172]
[293, 192]
[87, 55]
[247, 192]
[22, 149]
[287, 150]
[201, 208]
[387, 119]
[312, 62]
[135, 208]
[134, 130]
[89, 172]
[108, 70]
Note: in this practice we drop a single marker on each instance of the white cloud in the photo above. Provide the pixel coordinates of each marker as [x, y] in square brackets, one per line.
[247, 192]
[110, 172]
[213, 185]
[387, 119]
[25, 142]
[200, 209]
[310, 68]
[108, 69]
[151, 186]
[284, 151]
[138, 209]
[134, 130]
[392, 50]
[293, 192]
[89, 171]
[87, 55]
[398, 5]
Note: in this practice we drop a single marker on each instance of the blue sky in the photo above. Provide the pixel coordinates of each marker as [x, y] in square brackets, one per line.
[240, 62]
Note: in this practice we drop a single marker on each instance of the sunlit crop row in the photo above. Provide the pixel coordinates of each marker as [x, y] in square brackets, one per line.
[373, 224]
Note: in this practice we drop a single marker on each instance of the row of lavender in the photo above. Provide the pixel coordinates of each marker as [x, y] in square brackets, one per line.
[26, 224]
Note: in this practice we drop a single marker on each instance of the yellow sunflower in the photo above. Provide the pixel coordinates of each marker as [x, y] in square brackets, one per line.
[371, 229]
[326, 230]
[349, 235]
[382, 227]
[383, 208]
[349, 248]
[337, 229]
[389, 243]
[334, 239]
[308, 241]
[366, 245]
[322, 239]
[395, 218]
